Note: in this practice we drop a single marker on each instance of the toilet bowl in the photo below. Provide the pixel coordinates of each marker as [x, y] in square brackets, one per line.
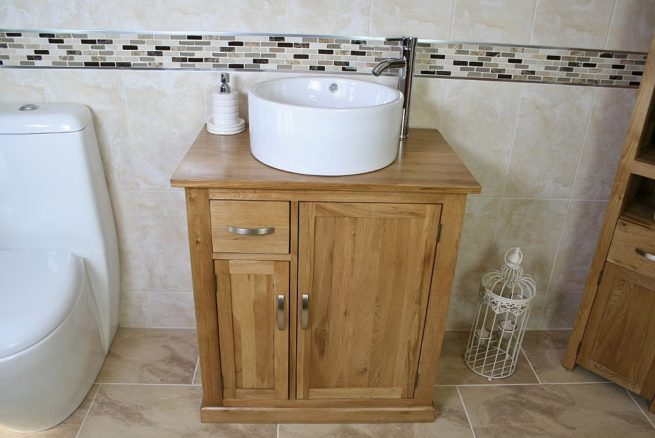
[58, 264]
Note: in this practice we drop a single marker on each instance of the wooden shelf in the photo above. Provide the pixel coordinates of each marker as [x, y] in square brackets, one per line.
[641, 211]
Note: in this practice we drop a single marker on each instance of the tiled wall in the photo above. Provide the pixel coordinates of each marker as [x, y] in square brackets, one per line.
[545, 154]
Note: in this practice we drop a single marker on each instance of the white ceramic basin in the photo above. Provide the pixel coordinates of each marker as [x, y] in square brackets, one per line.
[324, 125]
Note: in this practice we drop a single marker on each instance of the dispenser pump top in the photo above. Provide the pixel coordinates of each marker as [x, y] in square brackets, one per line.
[225, 83]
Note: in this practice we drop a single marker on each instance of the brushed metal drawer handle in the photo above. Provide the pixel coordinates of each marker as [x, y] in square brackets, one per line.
[262, 231]
[645, 254]
[304, 316]
[280, 299]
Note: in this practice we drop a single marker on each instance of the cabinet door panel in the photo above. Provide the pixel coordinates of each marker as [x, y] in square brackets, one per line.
[254, 350]
[367, 271]
[619, 342]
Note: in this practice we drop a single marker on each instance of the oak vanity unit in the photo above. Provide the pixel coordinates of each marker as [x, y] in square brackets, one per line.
[321, 299]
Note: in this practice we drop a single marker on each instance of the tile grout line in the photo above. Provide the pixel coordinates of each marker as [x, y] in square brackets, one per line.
[88, 411]
[500, 385]
[277, 433]
[531, 367]
[466, 412]
[195, 370]
[632, 397]
[144, 384]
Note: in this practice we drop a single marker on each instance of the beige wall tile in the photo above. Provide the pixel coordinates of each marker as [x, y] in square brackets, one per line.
[554, 312]
[632, 25]
[534, 226]
[603, 143]
[165, 112]
[549, 136]
[162, 15]
[21, 86]
[578, 243]
[497, 21]
[102, 91]
[134, 309]
[478, 253]
[152, 236]
[478, 120]
[15, 14]
[427, 103]
[583, 23]
[420, 18]
[332, 17]
[174, 310]
[243, 16]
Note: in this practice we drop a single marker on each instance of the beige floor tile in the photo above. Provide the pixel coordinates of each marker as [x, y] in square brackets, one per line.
[197, 377]
[644, 405]
[545, 350]
[151, 356]
[595, 410]
[66, 429]
[451, 422]
[453, 370]
[158, 411]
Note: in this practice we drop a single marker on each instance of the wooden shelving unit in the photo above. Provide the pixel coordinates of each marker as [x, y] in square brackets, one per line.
[614, 332]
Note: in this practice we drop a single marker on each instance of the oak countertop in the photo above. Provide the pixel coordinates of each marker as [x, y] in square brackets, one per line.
[426, 164]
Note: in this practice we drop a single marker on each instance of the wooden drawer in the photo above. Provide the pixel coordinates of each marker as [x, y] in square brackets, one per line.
[231, 218]
[628, 240]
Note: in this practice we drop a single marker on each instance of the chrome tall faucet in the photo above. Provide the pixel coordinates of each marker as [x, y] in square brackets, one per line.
[406, 63]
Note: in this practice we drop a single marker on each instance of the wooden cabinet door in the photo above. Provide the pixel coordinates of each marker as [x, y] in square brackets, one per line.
[254, 345]
[619, 342]
[366, 271]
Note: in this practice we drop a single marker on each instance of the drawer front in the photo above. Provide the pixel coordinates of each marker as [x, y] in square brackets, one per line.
[633, 247]
[250, 226]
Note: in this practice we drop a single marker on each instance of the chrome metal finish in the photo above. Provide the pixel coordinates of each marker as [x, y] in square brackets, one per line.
[645, 254]
[28, 107]
[304, 316]
[251, 231]
[406, 63]
[280, 299]
[333, 88]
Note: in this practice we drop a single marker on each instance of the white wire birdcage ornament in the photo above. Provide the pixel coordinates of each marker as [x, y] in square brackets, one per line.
[499, 326]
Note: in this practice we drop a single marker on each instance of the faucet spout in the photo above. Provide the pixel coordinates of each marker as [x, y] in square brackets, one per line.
[387, 64]
[406, 64]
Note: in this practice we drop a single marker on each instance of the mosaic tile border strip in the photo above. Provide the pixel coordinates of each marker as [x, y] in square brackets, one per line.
[247, 52]
[315, 54]
[529, 64]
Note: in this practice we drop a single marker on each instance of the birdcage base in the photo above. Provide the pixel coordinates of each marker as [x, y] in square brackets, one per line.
[492, 362]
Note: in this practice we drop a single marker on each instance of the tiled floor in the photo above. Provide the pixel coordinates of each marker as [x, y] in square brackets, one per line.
[149, 387]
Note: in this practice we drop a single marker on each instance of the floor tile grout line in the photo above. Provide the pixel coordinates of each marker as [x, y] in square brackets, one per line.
[500, 385]
[79, 430]
[531, 367]
[466, 412]
[634, 400]
[144, 384]
[277, 433]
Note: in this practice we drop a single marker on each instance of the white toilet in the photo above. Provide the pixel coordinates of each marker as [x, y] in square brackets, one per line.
[59, 272]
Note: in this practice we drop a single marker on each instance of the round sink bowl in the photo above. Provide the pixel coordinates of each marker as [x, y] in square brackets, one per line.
[324, 125]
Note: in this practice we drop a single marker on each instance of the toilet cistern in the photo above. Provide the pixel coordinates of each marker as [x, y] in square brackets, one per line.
[406, 63]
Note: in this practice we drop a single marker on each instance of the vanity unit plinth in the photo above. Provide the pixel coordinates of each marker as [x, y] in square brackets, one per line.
[321, 299]
[614, 333]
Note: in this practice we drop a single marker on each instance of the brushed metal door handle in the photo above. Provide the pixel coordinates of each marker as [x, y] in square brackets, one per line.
[261, 231]
[280, 299]
[304, 316]
[645, 254]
